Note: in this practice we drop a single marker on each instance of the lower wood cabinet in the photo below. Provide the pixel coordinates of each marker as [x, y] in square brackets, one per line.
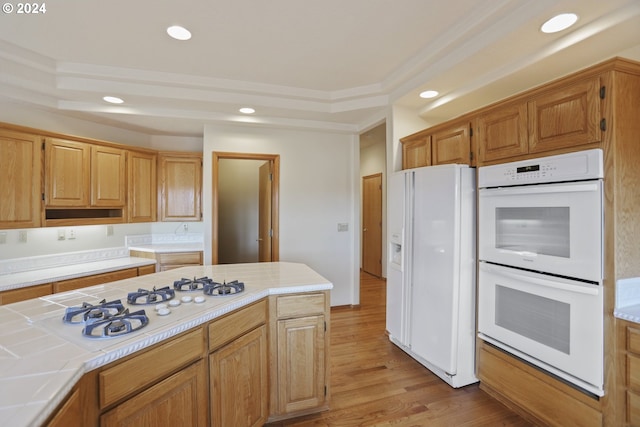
[179, 400]
[300, 354]
[170, 260]
[239, 381]
[630, 366]
[265, 361]
[22, 294]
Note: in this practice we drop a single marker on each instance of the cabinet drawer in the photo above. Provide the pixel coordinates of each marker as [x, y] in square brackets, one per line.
[21, 294]
[300, 305]
[229, 327]
[96, 279]
[129, 376]
[633, 340]
[633, 372]
[180, 258]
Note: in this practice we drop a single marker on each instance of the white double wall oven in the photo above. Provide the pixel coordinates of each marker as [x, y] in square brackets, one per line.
[540, 247]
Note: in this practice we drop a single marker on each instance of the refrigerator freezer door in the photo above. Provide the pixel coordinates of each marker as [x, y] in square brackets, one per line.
[435, 262]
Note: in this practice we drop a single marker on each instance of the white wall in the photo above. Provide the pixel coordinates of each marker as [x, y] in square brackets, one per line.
[319, 188]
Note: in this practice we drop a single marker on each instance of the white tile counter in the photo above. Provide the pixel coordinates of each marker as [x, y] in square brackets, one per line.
[628, 299]
[165, 243]
[41, 358]
[23, 272]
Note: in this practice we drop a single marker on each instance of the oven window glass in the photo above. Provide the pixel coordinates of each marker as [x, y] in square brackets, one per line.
[541, 319]
[539, 230]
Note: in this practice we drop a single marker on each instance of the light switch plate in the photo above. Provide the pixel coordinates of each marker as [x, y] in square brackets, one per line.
[343, 226]
[3, 237]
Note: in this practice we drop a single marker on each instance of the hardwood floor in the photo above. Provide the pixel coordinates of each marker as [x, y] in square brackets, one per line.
[374, 383]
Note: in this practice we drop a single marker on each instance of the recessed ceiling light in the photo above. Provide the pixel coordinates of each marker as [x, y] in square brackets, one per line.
[113, 99]
[559, 23]
[178, 32]
[247, 110]
[429, 94]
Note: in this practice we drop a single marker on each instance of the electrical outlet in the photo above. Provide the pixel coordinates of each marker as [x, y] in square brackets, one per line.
[3, 238]
[71, 233]
[61, 235]
[185, 227]
[22, 236]
[109, 230]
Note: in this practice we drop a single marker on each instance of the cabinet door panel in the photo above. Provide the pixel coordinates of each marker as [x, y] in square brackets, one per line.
[416, 153]
[67, 176]
[181, 181]
[301, 357]
[239, 386]
[107, 176]
[180, 400]
[143, 193]
[451, 145]
[502, 133]
[20, 164]
[565, 118]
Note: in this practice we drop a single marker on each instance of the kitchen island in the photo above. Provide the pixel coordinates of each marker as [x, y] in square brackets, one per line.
[43, 361]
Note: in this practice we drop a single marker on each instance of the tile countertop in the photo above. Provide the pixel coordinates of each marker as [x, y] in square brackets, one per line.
[79, 264]
[41, 358]
[628, 299]
[165, 243]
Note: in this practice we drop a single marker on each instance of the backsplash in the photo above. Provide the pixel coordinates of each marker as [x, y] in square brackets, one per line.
[19, 265]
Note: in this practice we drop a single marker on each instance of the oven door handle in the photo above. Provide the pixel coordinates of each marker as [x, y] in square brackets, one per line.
[541, 189]
[559, 283]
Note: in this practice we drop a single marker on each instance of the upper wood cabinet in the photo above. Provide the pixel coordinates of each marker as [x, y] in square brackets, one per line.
[108, 176]
[502, 132]
[451, 144]
[143, 189]
[416, 151]
[554, 121]
[440, 145]
[180, 184]
[67, 173]
[20, 174]
[566, 117]
[83, 175]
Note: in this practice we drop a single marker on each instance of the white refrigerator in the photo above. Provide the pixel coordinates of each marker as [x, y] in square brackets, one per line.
[431, 283]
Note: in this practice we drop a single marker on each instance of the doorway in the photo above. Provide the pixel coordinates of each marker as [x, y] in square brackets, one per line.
[372, 224]
[245, 226]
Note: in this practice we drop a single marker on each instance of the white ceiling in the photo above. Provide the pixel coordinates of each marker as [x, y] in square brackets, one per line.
[334, 65]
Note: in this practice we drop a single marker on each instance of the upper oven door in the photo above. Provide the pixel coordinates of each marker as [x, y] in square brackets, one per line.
[553, 228]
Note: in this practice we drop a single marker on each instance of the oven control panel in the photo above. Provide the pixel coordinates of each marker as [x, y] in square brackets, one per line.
[578, 166]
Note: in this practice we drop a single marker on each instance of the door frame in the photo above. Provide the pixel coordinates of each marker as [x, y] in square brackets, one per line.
[275, 190]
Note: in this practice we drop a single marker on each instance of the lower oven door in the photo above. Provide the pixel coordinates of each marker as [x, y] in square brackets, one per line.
[553, 323]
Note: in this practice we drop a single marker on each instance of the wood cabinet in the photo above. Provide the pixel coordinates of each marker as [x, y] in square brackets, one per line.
[451, 144]
[443, 144]
[629, 350]
[95, 279]
[163, 386]
[300, 354]
[22, 294]
[20, 174]
[108, 176]
[239, 370]
[416, 151]
[142, 185]
[180, 184]
[502, 132]
[170, 260]
[566, 117]
[70, 413]
[554, 121]
[179, 400]
[84, 183]
[67, 173]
